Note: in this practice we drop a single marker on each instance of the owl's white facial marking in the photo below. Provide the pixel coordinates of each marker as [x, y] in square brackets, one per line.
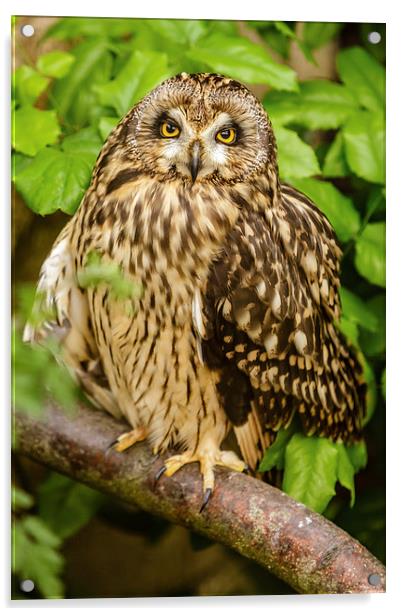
[213, 154]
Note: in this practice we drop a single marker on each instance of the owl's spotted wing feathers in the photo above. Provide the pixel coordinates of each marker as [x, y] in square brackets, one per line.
[269, 309]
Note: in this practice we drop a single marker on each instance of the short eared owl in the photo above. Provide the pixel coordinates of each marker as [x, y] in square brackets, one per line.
[239, 276]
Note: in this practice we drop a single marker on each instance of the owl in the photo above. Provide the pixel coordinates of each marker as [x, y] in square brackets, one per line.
[236, 326]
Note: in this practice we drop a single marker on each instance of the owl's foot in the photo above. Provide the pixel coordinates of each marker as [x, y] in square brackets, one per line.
[207, 459]
[128, 439]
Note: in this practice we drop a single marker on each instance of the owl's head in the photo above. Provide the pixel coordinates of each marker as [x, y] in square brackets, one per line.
[200, 128]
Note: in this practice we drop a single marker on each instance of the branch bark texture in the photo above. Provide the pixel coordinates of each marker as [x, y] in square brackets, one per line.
[301, 547]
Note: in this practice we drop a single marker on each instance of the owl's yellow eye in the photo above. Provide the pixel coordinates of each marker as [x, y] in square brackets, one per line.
[226, 135]
[168, 129]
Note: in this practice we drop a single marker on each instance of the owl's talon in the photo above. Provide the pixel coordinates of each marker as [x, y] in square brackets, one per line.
[205, 500]
[159, 474]
[207, 458]
[111, 446]
[128, 439]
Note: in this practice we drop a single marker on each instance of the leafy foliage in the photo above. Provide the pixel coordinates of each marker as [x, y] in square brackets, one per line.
[364, 76]
[43, 129]
[35, 548]
[36, 373]
[313, 465]
[37, 376]
[319, 104]
[97, 272]
[36, 556]
[330, 137]
[141, 73]
[243, 60]
[64, 507]
[370, 253]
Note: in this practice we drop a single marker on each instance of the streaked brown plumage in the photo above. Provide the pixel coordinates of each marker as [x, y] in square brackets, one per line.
[240, 278]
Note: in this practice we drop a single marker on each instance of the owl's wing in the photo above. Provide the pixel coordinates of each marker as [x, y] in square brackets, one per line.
[61, 311]
[267, 324]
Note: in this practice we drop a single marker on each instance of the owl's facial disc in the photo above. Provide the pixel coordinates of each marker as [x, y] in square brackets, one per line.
[202, 128]
[198, 150]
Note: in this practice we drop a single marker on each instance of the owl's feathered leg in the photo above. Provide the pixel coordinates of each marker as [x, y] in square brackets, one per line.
[128, 439]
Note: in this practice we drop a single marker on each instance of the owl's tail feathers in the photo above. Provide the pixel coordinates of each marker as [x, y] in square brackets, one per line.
[251, 438]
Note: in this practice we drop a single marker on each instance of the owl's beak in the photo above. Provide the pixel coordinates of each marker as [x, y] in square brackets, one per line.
[195, 160]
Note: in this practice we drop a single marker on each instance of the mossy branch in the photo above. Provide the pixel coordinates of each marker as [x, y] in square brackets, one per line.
[259, 521]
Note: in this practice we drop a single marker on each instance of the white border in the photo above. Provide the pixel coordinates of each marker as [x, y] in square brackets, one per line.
[306, 10]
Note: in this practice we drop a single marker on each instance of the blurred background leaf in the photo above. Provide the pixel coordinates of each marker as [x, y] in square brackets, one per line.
[243, 60]
[65, 505]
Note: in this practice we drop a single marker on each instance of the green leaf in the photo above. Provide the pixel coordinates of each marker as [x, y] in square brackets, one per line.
[33, 129]
[357, 454]
[274, 455]
[384, 384]
[74, 27]
[364, 138]
[84, 141]
[229, 27]
[35, 372]
[18, 163]
[358, 311]
[73, 94]
[373, 342]
[296, 159]
[55, 63]
[335, 165]
[241, 59]
[63, 390]
[28, 84]
[337, 207]
[350, 330]
[319, 105]
[21, 499]
[182, 32]
[311, 469]
[96, 272]
[106, 125]
[375, 201]
[172, 37]
[316, 34]
[142, 72]
[346, 472]
[370, 253]
[371, 398]
[39, 530]
[36, 559]
[306, 51]
[19, 547]
[275, 40]
[282, 27]
[55, 180]
[364, 76]
[65, 505]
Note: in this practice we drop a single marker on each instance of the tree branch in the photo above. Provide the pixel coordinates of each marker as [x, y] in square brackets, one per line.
[299, 546]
